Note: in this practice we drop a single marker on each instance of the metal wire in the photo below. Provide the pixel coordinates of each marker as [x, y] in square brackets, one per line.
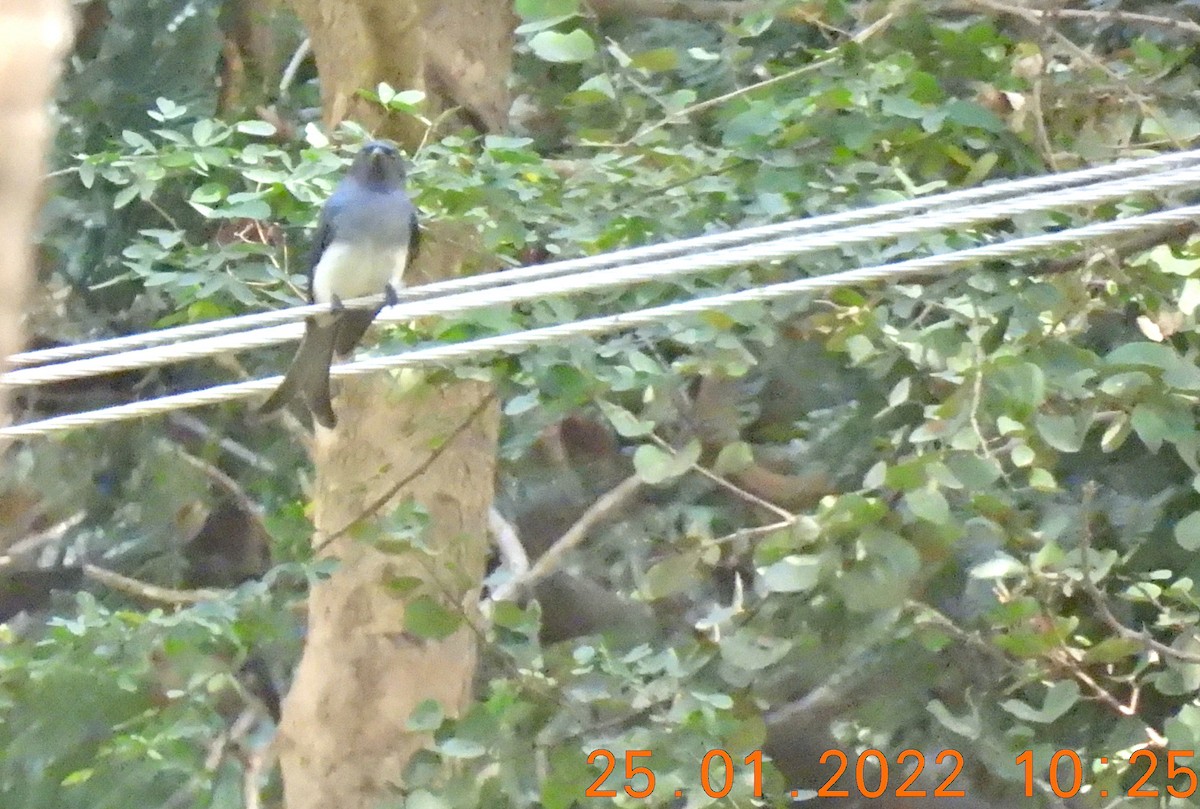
[609, 278]
[964, 197]
[443, 355]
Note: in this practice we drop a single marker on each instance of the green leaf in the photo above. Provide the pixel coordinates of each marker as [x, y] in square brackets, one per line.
[1022, 385]
[904, 107]
[427, 716]
[593, 91]
[998, 568]
[969, 113]
[1064, 433]
[426, 618]
[1042, 480]
[169, 110]
[928, 504]
[244, 209]
[78, 777]
[624, 422]
[792, 574]
[1156, 355]
[205, 132]
[424, 799]
[208, 194]
[655, 465]
[672, 575]
[974, 472]
[756, 121]
[461, 748]
[733, 458]
[967, 725]
[1060, 698]
[1115, 434]
[1023, 455]
[751, 651]
[656, 60]
[1126, 384]
[1113, 650]
[402, 585]
[900, 392]
[541, 9]
[551, 46]
[566, 771]
[1155, 424]
[124, 197]
[533, 26]
[262, 129]
[1187, 532]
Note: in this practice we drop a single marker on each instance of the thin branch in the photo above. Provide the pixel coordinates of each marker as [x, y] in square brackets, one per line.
[31, 542]
[229, 486]
[924, 613]
[258, 762]
[512, 553]
[1037, 96]
[198, 428]
[837, 693]
[871, 30]
[218, 751]
[1127, 17]
[754, 533]
[149, 592]
[1106, 614]
[602, 510]
[1044, 19]
[293, 67]
[420, 469]
[750, 497]
[1135, 244]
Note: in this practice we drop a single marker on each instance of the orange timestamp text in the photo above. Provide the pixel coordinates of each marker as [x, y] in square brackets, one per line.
[717, 773]
[1074, 773]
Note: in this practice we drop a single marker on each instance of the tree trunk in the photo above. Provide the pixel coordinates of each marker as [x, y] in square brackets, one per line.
[33, 36]
[343, 739]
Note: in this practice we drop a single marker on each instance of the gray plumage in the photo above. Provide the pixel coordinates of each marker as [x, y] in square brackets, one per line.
[366, 237]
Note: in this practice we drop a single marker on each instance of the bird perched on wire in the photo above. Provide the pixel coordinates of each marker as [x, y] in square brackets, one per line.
[366, 237]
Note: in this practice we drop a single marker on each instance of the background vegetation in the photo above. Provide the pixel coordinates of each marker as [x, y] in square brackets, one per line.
[964, 514]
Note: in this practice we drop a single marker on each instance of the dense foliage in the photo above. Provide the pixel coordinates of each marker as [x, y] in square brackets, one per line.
[986, 508]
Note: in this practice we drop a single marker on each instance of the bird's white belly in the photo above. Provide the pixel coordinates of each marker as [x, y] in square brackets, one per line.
[356, 271]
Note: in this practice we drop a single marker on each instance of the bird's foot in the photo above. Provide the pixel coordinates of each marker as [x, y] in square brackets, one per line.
[390, 296]
[335, 304]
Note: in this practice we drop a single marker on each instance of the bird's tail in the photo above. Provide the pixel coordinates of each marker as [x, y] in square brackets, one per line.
[308, 375]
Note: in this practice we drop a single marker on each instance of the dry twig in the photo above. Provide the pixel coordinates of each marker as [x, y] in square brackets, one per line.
[610, 503]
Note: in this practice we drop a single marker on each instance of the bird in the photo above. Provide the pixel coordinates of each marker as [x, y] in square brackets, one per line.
[367, 236]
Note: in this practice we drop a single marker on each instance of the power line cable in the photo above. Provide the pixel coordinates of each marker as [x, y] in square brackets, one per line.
[963, 197]
[460, 352]
[609, 278]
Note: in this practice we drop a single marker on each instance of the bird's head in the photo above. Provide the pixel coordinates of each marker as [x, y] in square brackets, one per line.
[379, 164]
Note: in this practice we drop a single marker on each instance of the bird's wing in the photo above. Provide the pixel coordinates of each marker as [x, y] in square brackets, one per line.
[322, 238]
[414, 237]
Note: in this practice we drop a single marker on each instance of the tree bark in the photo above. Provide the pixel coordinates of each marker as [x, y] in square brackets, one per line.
[458, 51]
[33, 36]
[343, 739]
